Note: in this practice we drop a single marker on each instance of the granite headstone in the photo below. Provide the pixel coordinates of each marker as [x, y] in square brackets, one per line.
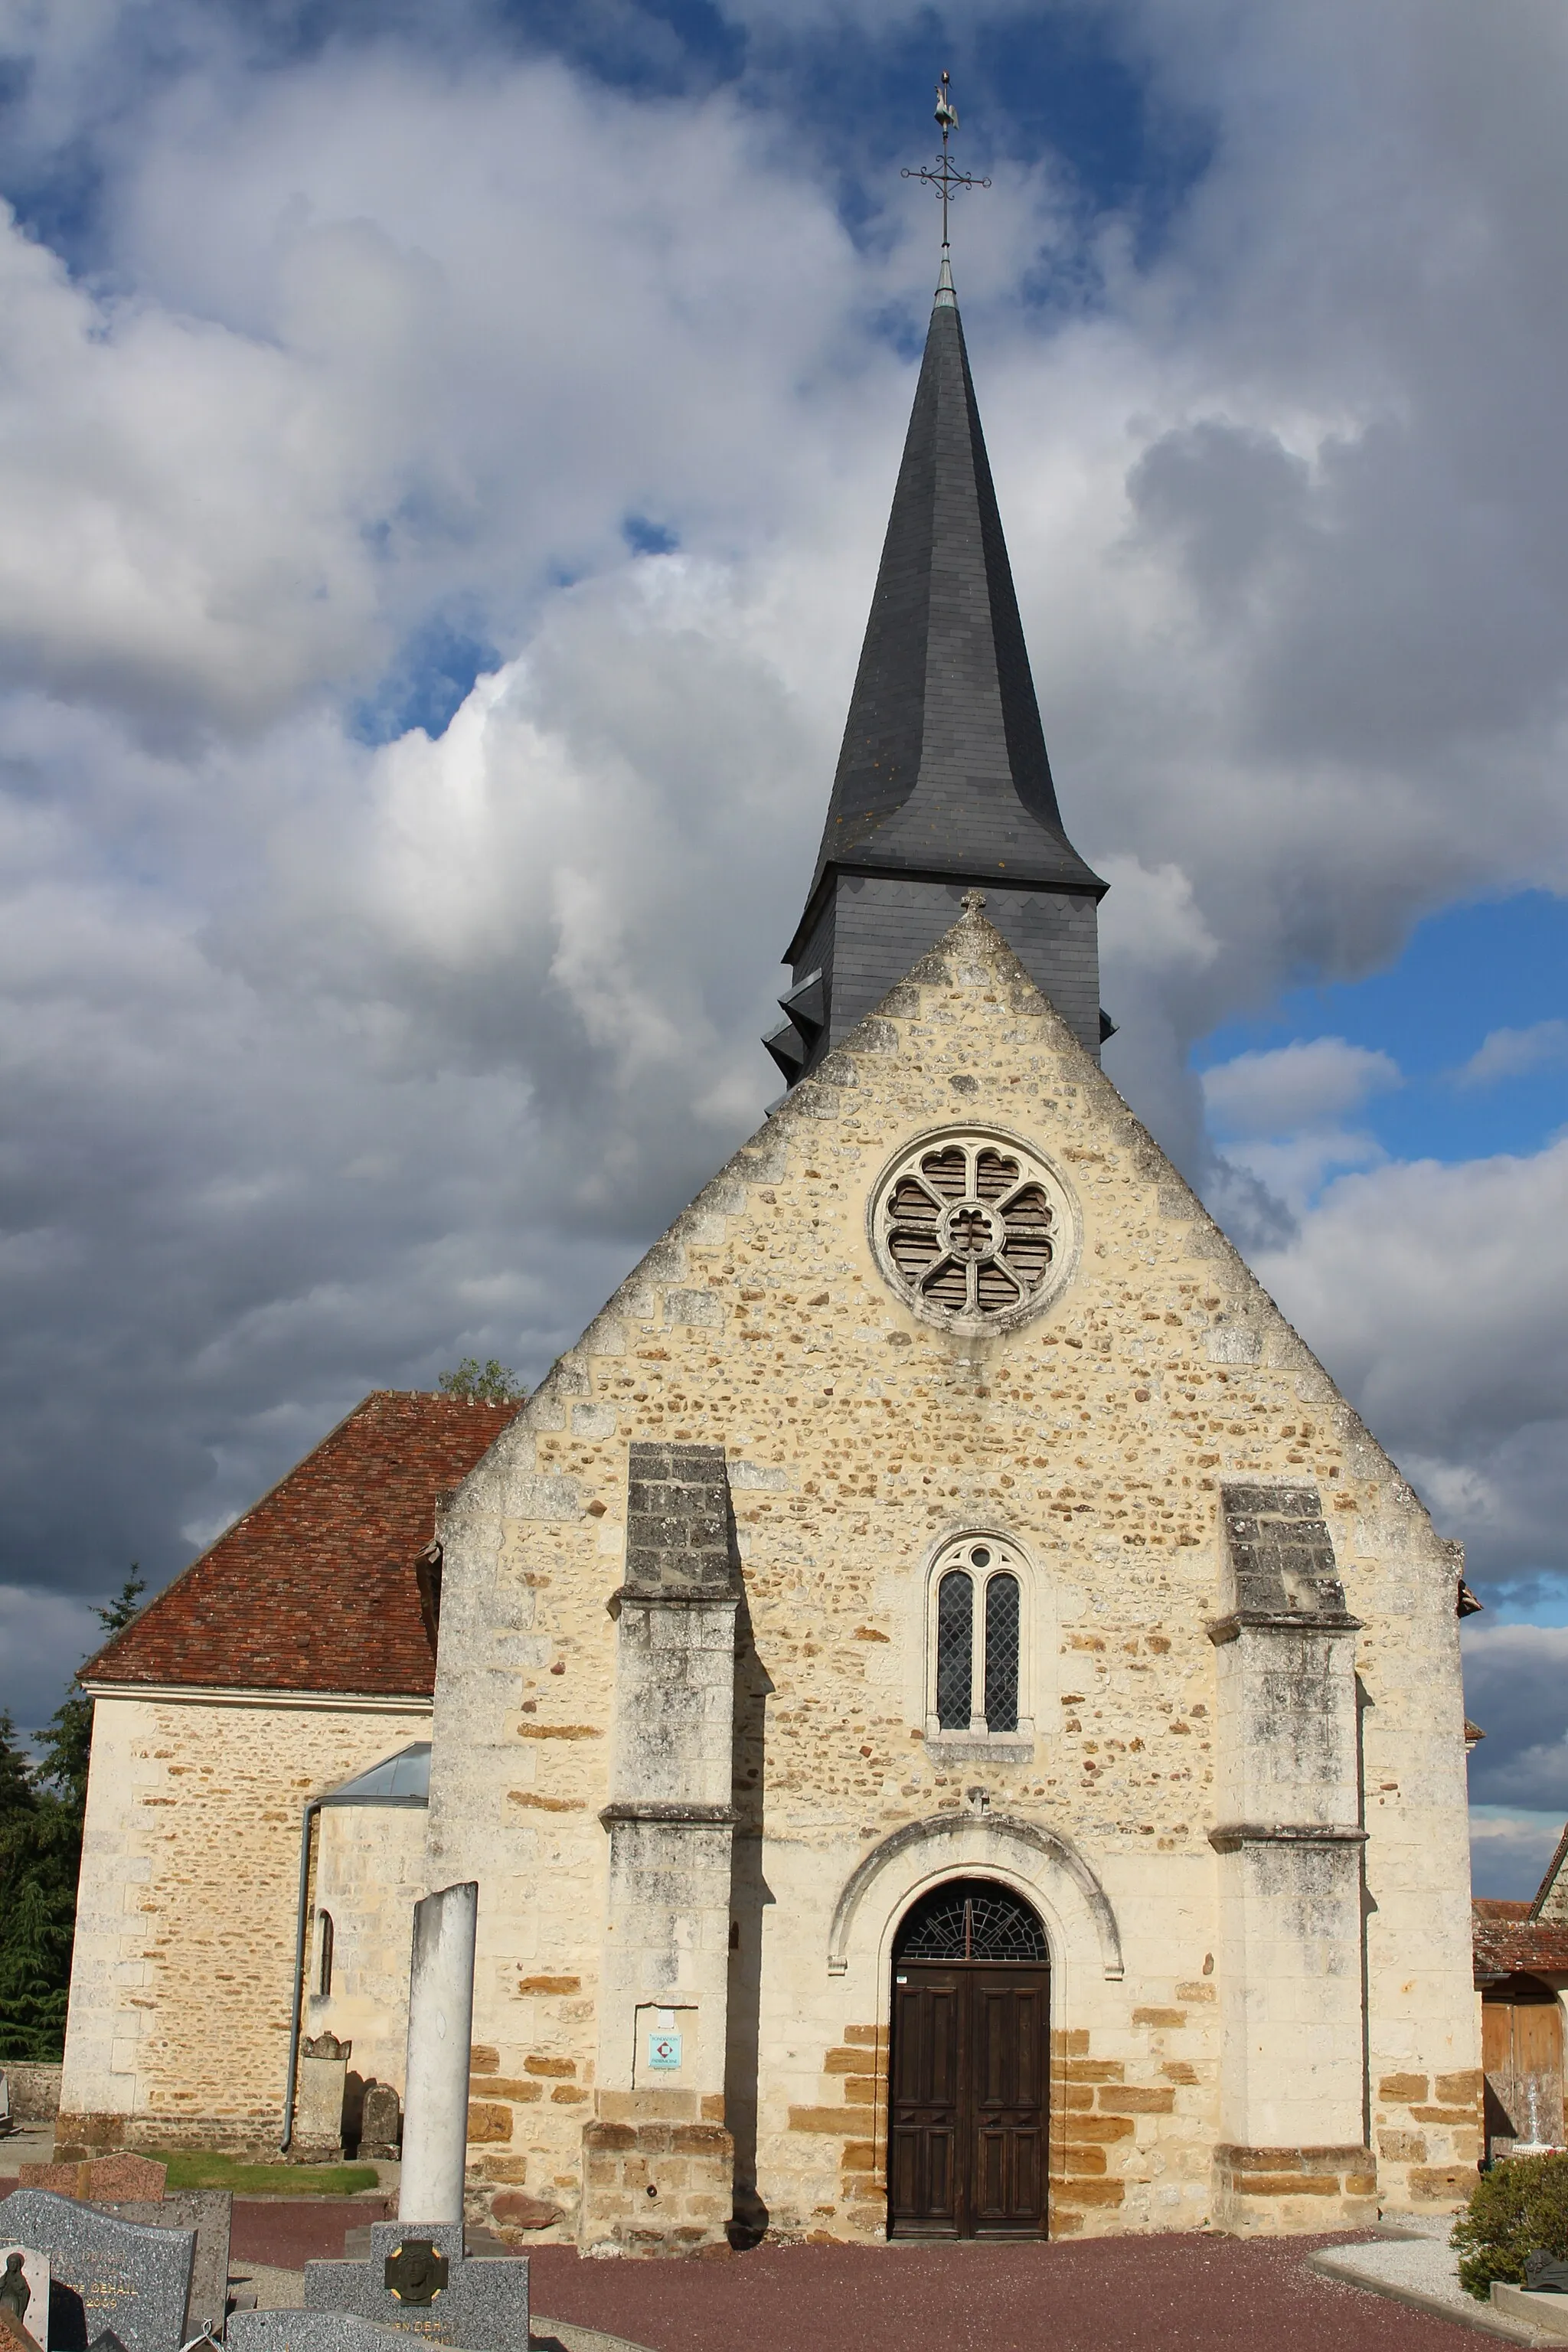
[106, 2275]
[209, 2213]
[310, 2331]
[419, 2281]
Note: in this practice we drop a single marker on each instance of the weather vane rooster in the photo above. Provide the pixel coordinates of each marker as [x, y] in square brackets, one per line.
[944, 175]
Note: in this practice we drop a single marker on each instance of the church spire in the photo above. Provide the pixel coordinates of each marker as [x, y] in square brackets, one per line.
[942, 781]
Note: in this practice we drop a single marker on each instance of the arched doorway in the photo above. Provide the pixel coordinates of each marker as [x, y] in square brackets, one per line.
[1521, 2051]
[969, 2072]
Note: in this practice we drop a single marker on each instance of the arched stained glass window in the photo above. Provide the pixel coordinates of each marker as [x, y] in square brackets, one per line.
[1002, 1654]
[970, 1919]
[955, 1648]
[324, 1952]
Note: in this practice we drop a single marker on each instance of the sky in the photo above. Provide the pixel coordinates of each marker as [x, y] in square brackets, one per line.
[444, 457]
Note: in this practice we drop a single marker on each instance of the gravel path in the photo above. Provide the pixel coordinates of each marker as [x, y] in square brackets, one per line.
[1425, 2268]
[1177, 2293]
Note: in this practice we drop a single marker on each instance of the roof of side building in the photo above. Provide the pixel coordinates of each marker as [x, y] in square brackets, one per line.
[315, 1588]
[1510, 1941]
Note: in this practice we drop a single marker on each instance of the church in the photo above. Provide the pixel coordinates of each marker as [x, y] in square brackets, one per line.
[955, 1723]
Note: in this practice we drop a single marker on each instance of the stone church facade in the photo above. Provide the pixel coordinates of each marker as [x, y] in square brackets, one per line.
[955, 1723]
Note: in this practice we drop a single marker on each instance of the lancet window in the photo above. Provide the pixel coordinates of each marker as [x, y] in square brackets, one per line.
[976, 1679]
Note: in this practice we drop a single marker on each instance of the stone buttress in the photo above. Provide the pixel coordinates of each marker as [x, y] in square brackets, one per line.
[1290, 1840]
[657, 2161]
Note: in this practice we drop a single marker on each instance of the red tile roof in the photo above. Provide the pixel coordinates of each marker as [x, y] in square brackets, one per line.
[1507, 1939]
[315, 1588]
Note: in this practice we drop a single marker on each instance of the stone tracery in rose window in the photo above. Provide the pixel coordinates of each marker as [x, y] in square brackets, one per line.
[973, 1229]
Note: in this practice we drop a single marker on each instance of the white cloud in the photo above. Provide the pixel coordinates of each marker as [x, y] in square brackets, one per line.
[1438, 1296]
[326, 1065]
[1510, 1850]
[1514, 1053]
[1309, 1085]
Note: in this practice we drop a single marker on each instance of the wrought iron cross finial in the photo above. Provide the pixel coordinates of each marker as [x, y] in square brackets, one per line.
[945, 178]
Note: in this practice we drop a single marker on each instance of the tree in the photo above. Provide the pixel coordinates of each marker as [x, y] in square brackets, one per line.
[477, 1383]
[42, 1807]
[37, 1892]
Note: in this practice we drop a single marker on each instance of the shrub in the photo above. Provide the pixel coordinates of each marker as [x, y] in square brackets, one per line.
[1518, 2207]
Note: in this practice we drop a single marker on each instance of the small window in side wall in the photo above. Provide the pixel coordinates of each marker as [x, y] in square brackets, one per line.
[978, 1679]
[325, 1938]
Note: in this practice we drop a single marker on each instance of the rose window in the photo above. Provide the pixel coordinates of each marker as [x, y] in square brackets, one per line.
[972, 1229]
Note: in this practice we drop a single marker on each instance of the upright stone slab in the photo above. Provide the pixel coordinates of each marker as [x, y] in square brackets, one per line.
[419, 2282]
[322, 2086]
[1293, 2151]
[658, 2164]
[106, 2273]
[381, 2124]
[440, 2031]
[209, 2213]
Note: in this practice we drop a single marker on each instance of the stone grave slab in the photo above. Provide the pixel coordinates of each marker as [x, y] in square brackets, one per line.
[209, 2213]
[310, 2331]
[419, 2282]
[106, 2275]
[25, 2287]
[1548, 2314]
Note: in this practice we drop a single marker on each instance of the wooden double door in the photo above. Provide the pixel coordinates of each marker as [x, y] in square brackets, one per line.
[1521, 2051]
[968, 2106]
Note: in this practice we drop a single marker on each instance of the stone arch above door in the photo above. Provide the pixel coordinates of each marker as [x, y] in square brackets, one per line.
[1074, 1904]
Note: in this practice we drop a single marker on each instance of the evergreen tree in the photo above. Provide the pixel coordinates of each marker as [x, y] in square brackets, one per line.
[41, 1811]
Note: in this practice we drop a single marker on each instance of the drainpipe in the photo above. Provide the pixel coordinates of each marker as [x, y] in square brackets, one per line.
[301, 1921]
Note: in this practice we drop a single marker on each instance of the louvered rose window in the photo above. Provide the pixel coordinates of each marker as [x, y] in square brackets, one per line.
[973, 1229]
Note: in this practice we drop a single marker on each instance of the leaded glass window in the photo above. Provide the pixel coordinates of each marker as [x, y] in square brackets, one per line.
[970, 1919]
[954, 1649]
[1002, 1654]
[979, 1630]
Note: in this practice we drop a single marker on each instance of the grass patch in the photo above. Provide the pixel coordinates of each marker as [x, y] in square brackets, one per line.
[194, 2168]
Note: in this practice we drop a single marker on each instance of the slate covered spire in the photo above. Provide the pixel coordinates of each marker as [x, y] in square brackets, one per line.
[943, 782]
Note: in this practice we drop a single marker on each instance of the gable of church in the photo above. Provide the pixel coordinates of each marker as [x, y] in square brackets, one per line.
[840, 1410]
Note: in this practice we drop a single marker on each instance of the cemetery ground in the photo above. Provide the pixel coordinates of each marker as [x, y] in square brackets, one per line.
[1181, 2293]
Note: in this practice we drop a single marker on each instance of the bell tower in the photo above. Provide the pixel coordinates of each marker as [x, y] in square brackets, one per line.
[943, 783]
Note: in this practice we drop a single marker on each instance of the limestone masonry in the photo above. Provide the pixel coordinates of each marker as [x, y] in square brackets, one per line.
[955, 1722]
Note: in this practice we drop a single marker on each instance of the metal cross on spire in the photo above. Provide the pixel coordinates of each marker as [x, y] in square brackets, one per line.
[945, 177]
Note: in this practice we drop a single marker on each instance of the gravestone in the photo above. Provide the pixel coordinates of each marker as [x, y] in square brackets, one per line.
[319, 2101]
[5, 2101]
[379, 2119]
[419, 2282]
[25, 2289]
[309, 2331]
[209, 2213]
[106, 2275]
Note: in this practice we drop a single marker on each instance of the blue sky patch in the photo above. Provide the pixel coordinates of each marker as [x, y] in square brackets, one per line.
[430, 681]
[646, 538]
[1475, 1013]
